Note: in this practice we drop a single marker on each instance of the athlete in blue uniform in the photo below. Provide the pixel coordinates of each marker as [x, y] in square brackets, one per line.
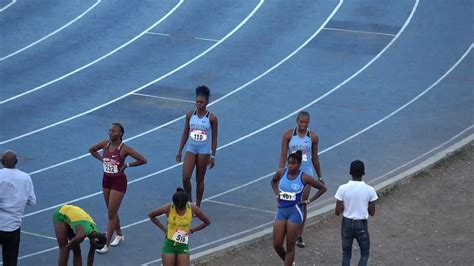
[288, 185]
[200, 132]
[301, 138]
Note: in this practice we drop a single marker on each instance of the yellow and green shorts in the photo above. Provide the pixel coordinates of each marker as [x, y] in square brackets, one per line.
[171, 247]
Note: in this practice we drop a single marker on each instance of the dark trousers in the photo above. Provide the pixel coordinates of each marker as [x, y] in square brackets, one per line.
[350, 230]
[10, 242]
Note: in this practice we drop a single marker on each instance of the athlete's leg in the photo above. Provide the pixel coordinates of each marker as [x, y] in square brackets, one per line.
[61, 230]
[279, 231]
[292, 230]
[115, 199]
[202, 161]
[182, 260]
[188, 167]
[306, 193]
[168, 259]
[76, 251]
[106, 193]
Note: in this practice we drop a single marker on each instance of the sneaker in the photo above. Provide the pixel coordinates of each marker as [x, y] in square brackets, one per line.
[104, 250]
[299, 242]
[117, 240]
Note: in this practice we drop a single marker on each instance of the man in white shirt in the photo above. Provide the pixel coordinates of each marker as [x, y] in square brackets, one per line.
[16, 191]
[355, 200]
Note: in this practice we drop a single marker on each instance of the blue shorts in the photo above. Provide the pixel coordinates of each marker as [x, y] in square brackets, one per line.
[293, 214]
[307, 169]
[198, 149]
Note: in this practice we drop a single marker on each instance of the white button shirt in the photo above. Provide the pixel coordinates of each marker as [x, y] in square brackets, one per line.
[16, 191]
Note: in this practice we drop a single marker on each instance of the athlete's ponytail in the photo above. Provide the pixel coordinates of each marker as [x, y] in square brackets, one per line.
[180, 198]
[203, 91]
[297, 156]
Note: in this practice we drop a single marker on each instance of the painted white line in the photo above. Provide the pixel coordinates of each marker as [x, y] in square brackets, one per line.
[7, 6]
[206, 39]
[242, 138]
[410, 102]
[52, 33]
[38, 235]
[326, 206]
[163, 98]
[373, 181]
[354, 135]
[86, 66]
[214, 102]
[378, 122]
[239, 206]
[360, 31]
[320, 153]
[168, 35]
[157, 33]
[146, 85]
[219, 240]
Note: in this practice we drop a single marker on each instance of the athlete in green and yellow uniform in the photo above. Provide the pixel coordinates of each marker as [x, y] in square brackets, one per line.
[175, 249]
[72, 225]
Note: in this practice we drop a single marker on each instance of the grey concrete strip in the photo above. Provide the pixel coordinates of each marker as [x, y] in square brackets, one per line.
[328, 209]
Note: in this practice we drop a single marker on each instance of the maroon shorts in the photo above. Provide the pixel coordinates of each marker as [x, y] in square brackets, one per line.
[117, 182]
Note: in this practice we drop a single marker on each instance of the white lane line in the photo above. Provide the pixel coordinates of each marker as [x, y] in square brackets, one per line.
[212, 103]
[177, 119]
[163, 98]
[157, 33]
[206, 39]
[146, 85]
[52, 33]
[361, 32]
[7, 6]
[86, 66]
[373, 181]
[239, 206]
[244, 137]
[219, 240]
[251, 182]
[411, 101]
[270, 174]
[196, 38]
[38, 235]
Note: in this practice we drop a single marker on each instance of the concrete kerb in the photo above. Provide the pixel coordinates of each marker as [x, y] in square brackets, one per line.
[322, 213]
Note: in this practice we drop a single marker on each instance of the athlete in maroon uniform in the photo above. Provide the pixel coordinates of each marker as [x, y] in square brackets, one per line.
[114, 182]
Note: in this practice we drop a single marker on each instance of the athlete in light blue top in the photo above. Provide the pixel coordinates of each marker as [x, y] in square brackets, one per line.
[301, 138]
[200, 132]
[288, 185]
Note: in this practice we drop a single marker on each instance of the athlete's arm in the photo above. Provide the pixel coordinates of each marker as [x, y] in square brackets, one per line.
[315, 156]
[307, 179]
[90, 256]
[214, 123]
[153, 215]
[80, 235]
[284, 148]
[139, 159]
[184, 137]
[94, 150]
[202, 216]
[276, 178]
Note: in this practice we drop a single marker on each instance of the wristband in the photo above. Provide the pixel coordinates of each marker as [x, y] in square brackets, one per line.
[213, 156]
[191, 230]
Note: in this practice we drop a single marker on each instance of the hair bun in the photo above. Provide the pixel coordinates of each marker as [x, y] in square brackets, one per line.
[179, 189]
